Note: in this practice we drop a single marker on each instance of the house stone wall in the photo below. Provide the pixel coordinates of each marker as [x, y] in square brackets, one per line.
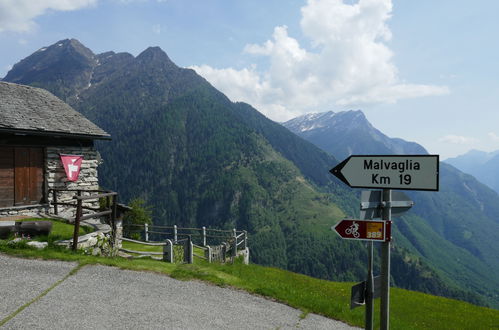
[25, 210]
[55, 176]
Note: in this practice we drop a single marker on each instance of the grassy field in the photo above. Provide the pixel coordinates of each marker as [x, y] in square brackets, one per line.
[409, 310]
[60, 230]
[141, 247]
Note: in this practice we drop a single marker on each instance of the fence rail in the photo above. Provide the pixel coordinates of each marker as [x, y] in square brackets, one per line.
[109, 209]
[224, 243]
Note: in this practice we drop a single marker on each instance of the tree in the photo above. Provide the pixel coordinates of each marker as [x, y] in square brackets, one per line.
[134, 219]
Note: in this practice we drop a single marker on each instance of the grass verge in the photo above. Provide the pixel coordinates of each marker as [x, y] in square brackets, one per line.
[60, 230]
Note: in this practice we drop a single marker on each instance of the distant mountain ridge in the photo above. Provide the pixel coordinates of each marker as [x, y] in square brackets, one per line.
[482, 165]
[200, 159]
[347, 132]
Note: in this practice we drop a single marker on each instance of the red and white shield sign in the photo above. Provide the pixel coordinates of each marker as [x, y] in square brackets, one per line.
[72, 166]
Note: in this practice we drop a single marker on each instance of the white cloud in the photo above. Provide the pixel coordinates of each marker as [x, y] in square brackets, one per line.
[349, 65]
[156, 29]
[493, 136]
[457, 139]
[19, 15]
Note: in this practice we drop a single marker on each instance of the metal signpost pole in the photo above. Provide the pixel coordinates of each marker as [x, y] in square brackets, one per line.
[369, 294]
[370, 289]
[385, 265]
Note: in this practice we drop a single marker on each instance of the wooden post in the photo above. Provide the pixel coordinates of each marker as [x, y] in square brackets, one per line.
[108, 207]
[168, 251]
[77, 221]
[54, 197]
[114, 210]
[204, 236]
[224, 251]
[146, 232]
[188, 250]
[208, 254]
[245, 240]
[234, 249]
[175, 234]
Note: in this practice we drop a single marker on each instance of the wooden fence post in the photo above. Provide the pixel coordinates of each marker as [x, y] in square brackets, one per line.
[146, 232]
[245, 239]
[168, 251]
[175, 234]
[234, 249]
[188, 250]
[204, 236]
[224, 251]
[108, 207]
[114, 212]
[77, 221]
[54, 197]
[208, 254]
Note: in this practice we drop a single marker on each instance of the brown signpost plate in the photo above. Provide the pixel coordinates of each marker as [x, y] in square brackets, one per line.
[366, 230]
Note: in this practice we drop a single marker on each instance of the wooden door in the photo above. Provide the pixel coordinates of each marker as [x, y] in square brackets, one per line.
[36, 161]
[21, 176]
[28, 176]
[6, 176]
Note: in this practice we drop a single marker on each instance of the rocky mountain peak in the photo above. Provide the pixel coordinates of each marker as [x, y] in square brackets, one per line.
[154, 55]
[352, 119]
[66, 60]
[348, 132]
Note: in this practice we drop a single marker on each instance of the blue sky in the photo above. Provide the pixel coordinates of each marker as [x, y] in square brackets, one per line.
[425, 71]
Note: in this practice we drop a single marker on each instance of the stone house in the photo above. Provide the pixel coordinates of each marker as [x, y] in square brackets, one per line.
[35, 129]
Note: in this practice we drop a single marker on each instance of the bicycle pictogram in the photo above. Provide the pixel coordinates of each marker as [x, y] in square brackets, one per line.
[353, 230]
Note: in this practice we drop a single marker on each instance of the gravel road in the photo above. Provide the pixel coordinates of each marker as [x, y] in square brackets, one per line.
[100, 297]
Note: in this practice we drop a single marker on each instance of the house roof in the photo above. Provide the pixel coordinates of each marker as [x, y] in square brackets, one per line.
[30, 110]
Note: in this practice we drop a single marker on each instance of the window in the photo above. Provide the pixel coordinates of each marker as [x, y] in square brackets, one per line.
[21, 176]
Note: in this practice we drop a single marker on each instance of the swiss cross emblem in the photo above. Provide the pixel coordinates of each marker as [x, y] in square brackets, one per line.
[72, 166]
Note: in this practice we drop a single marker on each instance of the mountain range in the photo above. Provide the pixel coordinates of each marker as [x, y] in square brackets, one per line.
[482, 165]
[349, 132]
[200, 159]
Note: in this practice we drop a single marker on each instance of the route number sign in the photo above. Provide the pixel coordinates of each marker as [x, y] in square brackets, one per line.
[366, 230]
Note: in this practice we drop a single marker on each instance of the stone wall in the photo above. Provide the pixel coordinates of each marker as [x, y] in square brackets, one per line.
[30, 210]
[55, 176]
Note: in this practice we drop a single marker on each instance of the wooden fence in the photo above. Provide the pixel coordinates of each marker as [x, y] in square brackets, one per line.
[202, 243]
[109, 209]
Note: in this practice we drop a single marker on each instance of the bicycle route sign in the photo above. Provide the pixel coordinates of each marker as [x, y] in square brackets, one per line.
[364, 230]
[407, 172]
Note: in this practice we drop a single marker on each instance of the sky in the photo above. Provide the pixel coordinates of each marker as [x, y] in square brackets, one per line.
[424, 71]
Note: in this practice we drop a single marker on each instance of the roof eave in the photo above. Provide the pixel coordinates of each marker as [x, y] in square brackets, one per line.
[54, 134]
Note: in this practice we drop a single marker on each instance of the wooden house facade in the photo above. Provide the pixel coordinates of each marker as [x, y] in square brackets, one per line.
[35, 129]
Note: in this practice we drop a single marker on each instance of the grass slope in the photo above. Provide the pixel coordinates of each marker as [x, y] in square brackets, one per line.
[60, 230]
[409, 310]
